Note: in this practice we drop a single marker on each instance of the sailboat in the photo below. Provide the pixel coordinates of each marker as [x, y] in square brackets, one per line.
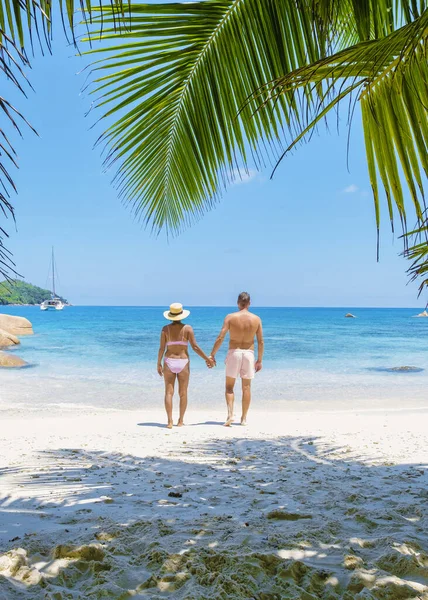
[424, 313]
[54, 303]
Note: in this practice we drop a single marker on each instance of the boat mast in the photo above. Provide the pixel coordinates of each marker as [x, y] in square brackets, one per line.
[53, 272]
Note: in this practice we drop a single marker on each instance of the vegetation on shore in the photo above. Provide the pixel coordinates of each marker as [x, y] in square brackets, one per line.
[20, 292]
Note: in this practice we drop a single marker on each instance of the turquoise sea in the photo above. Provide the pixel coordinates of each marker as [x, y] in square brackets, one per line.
[86, 358]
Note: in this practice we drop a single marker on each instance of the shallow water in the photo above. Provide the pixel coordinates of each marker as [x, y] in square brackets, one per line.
[105, 357]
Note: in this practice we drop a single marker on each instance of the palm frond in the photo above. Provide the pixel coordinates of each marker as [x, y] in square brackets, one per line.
[12, 63]
[390, 77]
[175, 84]
[24, 23]
[417, 252]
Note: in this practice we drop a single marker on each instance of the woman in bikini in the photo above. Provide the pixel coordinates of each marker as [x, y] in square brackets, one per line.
[174, 342]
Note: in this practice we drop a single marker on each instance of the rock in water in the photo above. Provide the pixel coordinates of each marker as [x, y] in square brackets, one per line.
[10, 360]
[7, 339]
[350, 316]
[16, 325]
[406, 369]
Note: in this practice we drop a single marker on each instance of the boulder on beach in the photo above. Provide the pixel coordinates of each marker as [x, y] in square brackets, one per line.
[16, 325]
[7, 339]
[10, 360]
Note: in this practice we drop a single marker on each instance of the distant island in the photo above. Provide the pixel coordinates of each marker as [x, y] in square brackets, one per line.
[20, 292]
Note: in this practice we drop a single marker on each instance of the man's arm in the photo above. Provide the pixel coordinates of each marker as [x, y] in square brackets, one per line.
[161, 352]
[260, 347]
[220, 337]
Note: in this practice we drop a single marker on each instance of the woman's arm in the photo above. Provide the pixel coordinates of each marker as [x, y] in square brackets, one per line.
[196, 348]
[161, 352]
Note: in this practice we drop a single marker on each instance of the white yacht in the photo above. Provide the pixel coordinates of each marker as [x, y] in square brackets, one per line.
[424, 313]
[54, 303]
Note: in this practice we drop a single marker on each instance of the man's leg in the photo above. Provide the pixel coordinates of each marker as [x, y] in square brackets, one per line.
[230, 398]
[169, 377]
[246, 399]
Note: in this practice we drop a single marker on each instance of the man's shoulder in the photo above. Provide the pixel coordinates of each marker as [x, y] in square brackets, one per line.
[233, 316]
[236, 316]
[257, 319]
[254, 316]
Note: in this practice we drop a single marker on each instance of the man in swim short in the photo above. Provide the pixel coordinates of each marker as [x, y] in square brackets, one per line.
[243, 327]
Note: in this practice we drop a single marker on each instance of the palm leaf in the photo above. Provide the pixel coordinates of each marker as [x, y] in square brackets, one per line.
[173, 85]
[417, 252]
[12, 62]
[390, 76]
[174, 81]
[21, 23]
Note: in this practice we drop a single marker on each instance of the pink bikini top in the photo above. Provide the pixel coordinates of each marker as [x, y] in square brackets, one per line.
[181, 342]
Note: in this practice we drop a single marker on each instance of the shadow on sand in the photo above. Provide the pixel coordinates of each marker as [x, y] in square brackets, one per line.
[287, 518]
[161, 425]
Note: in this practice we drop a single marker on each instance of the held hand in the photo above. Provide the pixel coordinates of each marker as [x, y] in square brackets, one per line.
[160, 370]
[258, 366]
[213, 360]
[209, 362]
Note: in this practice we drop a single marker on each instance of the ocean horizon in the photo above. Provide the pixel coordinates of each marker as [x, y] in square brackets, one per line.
[104, 357]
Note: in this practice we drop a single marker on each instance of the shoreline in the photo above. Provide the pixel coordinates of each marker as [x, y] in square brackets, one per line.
[327, 505]
[23, 410]
[97, 411]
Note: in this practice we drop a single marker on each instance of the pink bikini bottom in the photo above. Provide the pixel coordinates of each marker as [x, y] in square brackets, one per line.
[176, 365]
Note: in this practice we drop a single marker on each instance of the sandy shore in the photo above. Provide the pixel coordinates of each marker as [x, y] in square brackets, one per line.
[300, 506]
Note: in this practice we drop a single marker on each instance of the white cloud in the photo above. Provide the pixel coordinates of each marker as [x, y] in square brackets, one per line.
[240, 176]
[351, 189]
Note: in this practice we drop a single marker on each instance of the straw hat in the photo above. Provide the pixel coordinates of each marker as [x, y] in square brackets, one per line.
[176, 312]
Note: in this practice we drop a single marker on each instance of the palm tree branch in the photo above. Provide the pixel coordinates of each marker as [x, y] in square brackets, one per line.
[416, 251]
[180, 101]
[20, 21]
[394, 118]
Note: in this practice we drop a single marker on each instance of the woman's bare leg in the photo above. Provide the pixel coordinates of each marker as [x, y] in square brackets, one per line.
[169, 378]
[183, 384]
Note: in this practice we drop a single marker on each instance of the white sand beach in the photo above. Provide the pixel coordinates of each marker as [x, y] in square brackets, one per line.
[295, 505]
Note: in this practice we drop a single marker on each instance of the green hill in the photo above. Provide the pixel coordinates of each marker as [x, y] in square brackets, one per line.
[20, 292]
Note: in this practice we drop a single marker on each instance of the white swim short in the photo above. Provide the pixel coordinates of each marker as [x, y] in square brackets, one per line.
[240, 362]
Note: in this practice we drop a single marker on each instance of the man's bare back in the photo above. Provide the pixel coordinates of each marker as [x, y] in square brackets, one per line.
[243, 327]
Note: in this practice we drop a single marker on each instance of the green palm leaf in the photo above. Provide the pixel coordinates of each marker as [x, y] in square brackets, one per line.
[175, 84]
[181, 91]
[22, 23]
[177, 89]
[390, 76]
[417, 253]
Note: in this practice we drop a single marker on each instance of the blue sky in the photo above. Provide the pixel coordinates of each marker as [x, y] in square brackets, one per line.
[307, 238]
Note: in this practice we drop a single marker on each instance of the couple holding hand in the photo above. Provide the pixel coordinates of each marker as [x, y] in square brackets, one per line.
[243, 326]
